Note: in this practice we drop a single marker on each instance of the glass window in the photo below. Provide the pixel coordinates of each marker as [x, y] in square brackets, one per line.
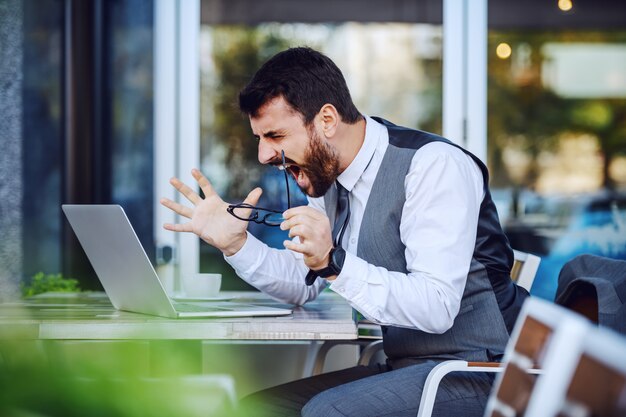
[393, 70]
[557, 143]
[42, 135]
[129, 60]
[115, 101]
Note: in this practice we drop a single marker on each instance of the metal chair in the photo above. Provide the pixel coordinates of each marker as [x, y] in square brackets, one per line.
[593, 383]
[542, 331]
[583, 372]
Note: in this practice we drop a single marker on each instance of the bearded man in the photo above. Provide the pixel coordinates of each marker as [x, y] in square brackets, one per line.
[400, 223]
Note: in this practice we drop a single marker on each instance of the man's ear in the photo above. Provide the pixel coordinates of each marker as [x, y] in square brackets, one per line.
[329, 119]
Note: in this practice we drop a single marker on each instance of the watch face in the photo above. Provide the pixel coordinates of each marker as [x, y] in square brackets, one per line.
[337, 259]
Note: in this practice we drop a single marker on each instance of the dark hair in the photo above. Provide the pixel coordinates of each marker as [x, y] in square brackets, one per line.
[306, 79]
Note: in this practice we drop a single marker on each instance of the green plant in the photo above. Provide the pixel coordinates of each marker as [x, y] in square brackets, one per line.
[41, 283]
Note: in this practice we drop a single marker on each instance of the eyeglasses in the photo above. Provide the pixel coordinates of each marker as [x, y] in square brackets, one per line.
[260, 215]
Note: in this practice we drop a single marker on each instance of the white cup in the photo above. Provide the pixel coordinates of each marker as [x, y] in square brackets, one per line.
[202, 285]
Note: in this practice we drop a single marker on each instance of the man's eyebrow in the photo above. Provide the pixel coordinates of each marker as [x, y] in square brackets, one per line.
[273, 133]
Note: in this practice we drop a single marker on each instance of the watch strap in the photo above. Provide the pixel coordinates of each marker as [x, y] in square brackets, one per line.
[310, 278]
[332, 269]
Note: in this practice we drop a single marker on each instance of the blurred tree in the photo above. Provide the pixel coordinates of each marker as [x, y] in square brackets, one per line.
[606, 120]
[522, 113]
[238, 51]
[432, 121]
[525, 115]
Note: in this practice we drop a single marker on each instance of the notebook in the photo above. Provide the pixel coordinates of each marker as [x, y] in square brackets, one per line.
[125, 271]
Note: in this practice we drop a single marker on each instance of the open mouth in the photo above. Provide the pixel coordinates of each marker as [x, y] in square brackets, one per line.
[293, 170]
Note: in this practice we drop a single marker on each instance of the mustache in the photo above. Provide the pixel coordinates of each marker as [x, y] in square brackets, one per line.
[278, 162]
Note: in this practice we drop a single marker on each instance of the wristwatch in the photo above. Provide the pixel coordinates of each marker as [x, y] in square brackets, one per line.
[336, 259]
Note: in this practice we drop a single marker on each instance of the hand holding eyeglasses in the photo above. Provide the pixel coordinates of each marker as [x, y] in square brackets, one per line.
[310, 225]
[209, 218]
[220, 224]
[313, 230]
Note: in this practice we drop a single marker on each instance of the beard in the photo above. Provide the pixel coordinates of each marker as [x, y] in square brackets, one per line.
[321, 165]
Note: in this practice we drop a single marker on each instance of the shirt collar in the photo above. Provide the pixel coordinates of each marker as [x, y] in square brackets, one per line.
[351, 175]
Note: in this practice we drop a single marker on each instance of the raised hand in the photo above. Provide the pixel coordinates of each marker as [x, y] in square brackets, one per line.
[313, 229]
[208, 217]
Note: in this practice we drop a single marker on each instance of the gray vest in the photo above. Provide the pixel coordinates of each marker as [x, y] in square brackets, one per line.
[490, 302]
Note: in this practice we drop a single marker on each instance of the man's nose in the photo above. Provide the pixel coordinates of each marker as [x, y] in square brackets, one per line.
[266, 152]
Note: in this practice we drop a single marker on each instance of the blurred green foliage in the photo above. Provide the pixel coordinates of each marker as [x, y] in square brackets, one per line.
[95, 378]
[41, 283]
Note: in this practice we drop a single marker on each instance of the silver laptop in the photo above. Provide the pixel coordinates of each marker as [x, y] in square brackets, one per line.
[126, 273]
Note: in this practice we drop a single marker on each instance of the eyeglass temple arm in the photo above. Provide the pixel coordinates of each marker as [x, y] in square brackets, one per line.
[286, 180]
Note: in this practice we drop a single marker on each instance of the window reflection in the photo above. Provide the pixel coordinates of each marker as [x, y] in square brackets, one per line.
[42, 146]
[130, 59]
[392, 70]
[116, 154]
[557, 144]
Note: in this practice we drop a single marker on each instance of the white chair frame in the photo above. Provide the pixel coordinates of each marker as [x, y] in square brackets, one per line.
[568, 330]
[525, 269]
[549, 397]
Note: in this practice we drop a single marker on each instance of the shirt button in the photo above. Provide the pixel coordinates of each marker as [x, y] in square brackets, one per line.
[353, 240]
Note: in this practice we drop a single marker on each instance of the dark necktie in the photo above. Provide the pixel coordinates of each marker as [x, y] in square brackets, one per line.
[341, 222]
[343, 214]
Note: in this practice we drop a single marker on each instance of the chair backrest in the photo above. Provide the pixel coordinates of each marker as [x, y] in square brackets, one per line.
[541, 338]
[595, 381]
[525, 267]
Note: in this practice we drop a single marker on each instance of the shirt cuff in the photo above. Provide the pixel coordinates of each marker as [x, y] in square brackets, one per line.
[246, 259]
[350, 281]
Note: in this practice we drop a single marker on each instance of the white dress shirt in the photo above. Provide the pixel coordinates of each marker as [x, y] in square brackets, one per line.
[444, 190]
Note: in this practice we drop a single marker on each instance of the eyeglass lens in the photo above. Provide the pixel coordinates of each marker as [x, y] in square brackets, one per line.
[257, 215]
